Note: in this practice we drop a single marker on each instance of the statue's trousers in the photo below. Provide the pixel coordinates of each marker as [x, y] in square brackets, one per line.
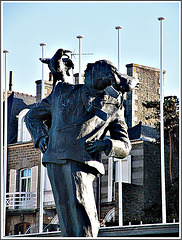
[72, 185]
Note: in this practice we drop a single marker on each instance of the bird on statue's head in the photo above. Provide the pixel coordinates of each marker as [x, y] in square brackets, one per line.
[59, 65]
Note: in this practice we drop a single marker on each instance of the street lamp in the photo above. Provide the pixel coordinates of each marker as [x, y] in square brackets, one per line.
[119, 160]
[119, 52]
[42, 167]
[5, 142]
[162, 124]
[43, 50]
[79, 37]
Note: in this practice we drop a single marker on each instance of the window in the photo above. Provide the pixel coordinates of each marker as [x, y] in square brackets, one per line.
[23, 133]
[25, 180]
[113, 174]
[25, 187]
[26, 196]
[126, 169]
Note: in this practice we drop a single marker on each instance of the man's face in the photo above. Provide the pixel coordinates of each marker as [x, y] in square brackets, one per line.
[98, 77]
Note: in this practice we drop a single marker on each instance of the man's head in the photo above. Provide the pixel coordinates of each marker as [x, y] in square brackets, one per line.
[100, 74]
[103, 73]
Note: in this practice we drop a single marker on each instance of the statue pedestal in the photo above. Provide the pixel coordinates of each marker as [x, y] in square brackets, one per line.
[146, 230]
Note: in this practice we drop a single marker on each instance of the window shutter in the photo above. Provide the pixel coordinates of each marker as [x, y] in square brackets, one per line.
[12, 181]
[126, 169]
[110, 177]
[34, 179]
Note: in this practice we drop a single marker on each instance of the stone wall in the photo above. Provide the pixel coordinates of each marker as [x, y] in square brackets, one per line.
[19, 218]
[22, 155]
[148, 90]
[137, 163]
[152, 173]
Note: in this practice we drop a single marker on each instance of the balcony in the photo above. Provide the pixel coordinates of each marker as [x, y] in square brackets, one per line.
[27, 200]
[21, 200]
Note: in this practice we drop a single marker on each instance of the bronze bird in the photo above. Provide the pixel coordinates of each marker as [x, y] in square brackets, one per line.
[58, 65]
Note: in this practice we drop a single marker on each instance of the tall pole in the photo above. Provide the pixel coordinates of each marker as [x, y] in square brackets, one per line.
[43, 51]
[120, 192]
[42, 173]
[119, 51]
[79, 37]
[5, 143]
[162, 124]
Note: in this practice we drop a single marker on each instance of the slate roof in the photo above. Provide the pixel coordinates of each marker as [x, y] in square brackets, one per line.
[143, 132]
[16, 103]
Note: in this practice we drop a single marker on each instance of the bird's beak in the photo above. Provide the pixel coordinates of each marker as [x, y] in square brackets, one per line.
[67, 51]
[45, 60]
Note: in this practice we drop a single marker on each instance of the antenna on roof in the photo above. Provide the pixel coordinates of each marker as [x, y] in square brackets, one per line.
[73, 54]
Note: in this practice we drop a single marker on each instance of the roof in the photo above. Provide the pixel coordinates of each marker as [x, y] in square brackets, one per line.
[16, 103]
[143, 132]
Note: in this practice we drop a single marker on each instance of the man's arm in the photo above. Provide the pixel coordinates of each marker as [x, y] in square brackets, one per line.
[34, 120]
[118, 145]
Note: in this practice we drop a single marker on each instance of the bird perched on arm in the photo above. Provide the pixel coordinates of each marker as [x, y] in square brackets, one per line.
[59, 65]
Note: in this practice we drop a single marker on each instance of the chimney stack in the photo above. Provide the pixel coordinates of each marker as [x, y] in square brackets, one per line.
[10, 80]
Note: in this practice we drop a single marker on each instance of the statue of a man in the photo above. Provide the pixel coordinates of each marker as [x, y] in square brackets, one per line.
[80, 116]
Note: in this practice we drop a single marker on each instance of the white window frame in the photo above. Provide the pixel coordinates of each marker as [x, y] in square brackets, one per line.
[27, 177]
[25, 195]
[23, 133]
[126, 169]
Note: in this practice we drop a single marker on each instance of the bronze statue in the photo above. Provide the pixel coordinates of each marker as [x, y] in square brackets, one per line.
[80, 115]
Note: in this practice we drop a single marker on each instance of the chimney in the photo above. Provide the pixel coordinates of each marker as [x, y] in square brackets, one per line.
[47, 88]
[10, 80]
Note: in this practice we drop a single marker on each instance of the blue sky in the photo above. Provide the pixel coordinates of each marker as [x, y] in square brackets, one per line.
[26, 24]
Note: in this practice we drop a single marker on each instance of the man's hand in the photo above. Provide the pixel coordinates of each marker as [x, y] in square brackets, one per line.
[96, 146]
[43, 144]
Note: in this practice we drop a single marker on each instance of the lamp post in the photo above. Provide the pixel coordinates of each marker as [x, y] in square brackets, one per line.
[162, 124]
[119, 52]
[5, 143]
[79, 37]
[119, 160]
[43, 51]
[42, 173]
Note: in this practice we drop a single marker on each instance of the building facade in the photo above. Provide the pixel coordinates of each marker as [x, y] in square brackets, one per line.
[149, 90]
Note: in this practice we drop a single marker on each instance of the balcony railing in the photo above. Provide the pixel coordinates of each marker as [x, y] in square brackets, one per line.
[21, 200]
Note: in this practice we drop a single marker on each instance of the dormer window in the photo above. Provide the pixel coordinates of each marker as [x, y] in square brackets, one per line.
[23, 133]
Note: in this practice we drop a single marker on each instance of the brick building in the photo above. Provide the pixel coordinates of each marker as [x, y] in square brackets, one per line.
[140, 170]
